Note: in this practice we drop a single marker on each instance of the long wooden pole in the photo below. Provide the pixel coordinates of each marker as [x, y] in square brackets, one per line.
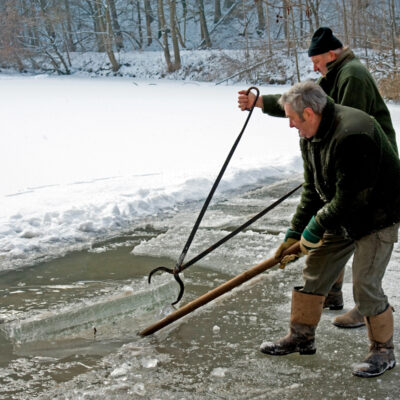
[218, 291]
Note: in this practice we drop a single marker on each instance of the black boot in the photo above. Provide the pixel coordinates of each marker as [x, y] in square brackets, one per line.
[306, 313]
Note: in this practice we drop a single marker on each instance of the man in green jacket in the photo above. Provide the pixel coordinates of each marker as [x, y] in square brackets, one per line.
[350, 205]
[346, 80]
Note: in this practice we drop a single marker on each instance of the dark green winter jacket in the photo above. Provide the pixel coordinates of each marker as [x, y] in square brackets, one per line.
[349, 83]
[352, 175]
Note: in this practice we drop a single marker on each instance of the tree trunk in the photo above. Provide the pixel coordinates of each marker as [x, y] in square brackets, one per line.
[96, 14]
[139, 17]
[260, 16]
[70, 41]
[228, 3]
[174, 36]
[268, 30]
[286, 8]
[164, 34]
[353, 22]
[105, 26]
[294, 35]
[393, 30]
[217, 11]
[346, 32]
[314, 4]
[203, 25]
[184, 16]
[115, 24]
[309, 16]
[149, 19]
[301, 19]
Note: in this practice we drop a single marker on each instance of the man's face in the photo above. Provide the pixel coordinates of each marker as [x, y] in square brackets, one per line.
[319, 61]
[306, 125]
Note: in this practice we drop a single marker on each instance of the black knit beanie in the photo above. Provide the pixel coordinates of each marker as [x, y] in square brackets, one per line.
[322, 41]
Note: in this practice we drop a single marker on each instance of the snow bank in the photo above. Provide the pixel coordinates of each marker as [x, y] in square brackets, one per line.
[86, 159]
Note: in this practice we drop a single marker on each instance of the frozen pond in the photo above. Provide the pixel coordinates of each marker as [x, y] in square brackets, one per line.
[69, 322]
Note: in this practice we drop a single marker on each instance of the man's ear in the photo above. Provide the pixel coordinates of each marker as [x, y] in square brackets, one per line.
[308, 114]
[333, 55]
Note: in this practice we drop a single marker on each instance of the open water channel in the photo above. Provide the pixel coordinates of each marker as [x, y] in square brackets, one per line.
[69, 326]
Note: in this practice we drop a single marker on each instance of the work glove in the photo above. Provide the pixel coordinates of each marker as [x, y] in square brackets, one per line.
[312, 236]
[291, 238]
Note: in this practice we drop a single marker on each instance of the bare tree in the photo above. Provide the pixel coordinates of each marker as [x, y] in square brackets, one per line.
[203, 25]
[68, 23]
[228, 3]
[346, 32]
[268, 26]
[115, 25]
[149, 19]
[174, 35]
[139, 23]
[164, 35]
[217, 11]
[312, 13]
[260, 17]
[392, 16]
[294, 38]
[105, 27]
[354, 12]
[12, 50]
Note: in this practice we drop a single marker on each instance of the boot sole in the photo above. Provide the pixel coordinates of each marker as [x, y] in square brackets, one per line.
[285, 353]
[365, 374]
[348, 326]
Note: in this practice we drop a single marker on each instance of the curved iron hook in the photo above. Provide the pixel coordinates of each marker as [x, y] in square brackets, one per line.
[177, 278]
[162, 268]
[181, 288]
[178, 267]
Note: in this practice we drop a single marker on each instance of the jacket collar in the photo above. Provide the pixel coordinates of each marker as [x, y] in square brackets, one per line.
[325, 128]
[345, 56]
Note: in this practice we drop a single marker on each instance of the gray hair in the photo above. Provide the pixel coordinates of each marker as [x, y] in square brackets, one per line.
[303, 95]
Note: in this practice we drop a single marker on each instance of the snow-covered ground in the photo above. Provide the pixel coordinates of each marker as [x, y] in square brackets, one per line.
[83, 159]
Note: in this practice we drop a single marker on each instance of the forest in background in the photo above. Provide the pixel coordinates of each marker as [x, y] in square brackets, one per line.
[47, 35]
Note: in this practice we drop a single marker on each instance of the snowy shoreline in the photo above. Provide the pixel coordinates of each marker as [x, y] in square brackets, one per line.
[87, 160]
[211, 66]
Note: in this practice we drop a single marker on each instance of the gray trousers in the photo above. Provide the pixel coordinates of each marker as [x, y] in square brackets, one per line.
[371, 257]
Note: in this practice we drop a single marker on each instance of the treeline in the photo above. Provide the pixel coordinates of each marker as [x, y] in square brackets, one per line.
[34, 33]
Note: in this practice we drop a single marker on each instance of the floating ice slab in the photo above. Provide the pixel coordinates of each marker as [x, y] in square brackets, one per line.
[86, 314]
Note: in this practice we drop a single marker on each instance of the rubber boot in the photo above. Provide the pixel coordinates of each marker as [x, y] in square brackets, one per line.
[381, 355]
[351, 319]
[305, 315]
[334, 300]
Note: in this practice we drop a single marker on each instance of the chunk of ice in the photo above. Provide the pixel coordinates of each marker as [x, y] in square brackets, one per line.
[149, 362]
[219, 372]
[216, 329]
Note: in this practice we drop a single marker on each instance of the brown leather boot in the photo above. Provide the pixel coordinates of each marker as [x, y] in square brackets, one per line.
[381, 356]
[305, 315]
[334, 300]
[351, 319]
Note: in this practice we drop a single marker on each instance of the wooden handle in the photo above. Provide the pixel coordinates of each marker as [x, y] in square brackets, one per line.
[218, 291]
